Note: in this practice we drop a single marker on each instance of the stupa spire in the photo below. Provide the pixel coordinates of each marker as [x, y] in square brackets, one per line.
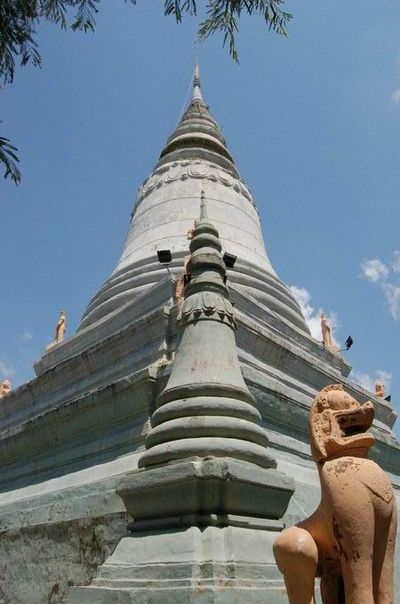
[198, 135]
[206, 407]
[206, 432]
[196, 95]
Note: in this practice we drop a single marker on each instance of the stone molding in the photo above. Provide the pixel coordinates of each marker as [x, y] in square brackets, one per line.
[207, 305]
[198, 169]
[206, 486]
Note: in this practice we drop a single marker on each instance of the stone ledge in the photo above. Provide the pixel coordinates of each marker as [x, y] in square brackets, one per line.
[204, 486]
[218, 520]
[202, 565]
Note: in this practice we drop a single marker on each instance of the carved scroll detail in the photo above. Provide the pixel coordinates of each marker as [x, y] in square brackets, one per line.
[192, 169]
[206, 305]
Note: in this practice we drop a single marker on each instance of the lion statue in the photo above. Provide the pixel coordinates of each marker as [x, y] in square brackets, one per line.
[349, 540]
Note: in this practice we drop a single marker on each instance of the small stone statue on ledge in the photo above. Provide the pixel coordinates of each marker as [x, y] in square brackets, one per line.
[5, 388]
[60, 330]
[61, 327]
[380, 390]
[180, 283]
[349, 540]
[326, 331]
[327, 334]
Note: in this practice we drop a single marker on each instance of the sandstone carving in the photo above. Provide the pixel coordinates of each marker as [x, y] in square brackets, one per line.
[61, 327]
[380, 390]
[190, 233]
[326, 331]
[349, 540]
[180, 282]
[198, 169]
[205, 304]
[5, 388]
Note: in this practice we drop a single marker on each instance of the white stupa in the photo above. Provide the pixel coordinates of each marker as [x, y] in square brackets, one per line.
[194, 158]
[70, 435]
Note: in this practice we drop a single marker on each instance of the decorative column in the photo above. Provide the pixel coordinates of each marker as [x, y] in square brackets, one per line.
[207, 497]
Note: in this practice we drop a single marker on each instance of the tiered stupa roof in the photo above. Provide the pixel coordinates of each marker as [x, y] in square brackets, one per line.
[198, 134]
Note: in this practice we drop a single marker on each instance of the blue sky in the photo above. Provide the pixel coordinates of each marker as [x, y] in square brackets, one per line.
[313, 122]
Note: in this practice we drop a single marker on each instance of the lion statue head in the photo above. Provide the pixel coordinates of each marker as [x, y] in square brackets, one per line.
[338, 425]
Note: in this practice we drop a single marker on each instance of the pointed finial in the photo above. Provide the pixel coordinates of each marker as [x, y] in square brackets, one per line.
[203, 207]
[196, 75]
[196, 96]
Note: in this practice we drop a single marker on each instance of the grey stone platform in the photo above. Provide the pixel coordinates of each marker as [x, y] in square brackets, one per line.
[223, 565]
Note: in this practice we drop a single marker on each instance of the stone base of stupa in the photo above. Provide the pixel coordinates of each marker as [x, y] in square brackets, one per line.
[202, 564]
[191, 540]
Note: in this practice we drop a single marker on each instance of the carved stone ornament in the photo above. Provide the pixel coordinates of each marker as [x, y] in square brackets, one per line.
[182, 170]
[206, 305]
[326, 331]
[61, 327]
[349, 540]
[5, 388]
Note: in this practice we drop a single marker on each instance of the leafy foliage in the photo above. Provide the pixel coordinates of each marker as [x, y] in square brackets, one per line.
[223, 16]
[9, 160]
[19, 18]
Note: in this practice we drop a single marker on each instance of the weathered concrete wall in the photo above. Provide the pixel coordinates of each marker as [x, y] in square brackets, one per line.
[39, 563]
[56, 533]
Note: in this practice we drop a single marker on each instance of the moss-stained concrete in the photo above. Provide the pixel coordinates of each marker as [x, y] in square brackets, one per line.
[38, 564]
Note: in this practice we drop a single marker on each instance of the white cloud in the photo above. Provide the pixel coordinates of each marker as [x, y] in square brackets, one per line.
[368, 381]
[387, 279]
[303, 297]
[396, 96]
[312, 315]
[374, 270]
[6, 371]
[25, 336]
[392, 293]
[396, 261]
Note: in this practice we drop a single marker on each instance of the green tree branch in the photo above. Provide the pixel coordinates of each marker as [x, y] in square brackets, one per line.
[19, 18]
